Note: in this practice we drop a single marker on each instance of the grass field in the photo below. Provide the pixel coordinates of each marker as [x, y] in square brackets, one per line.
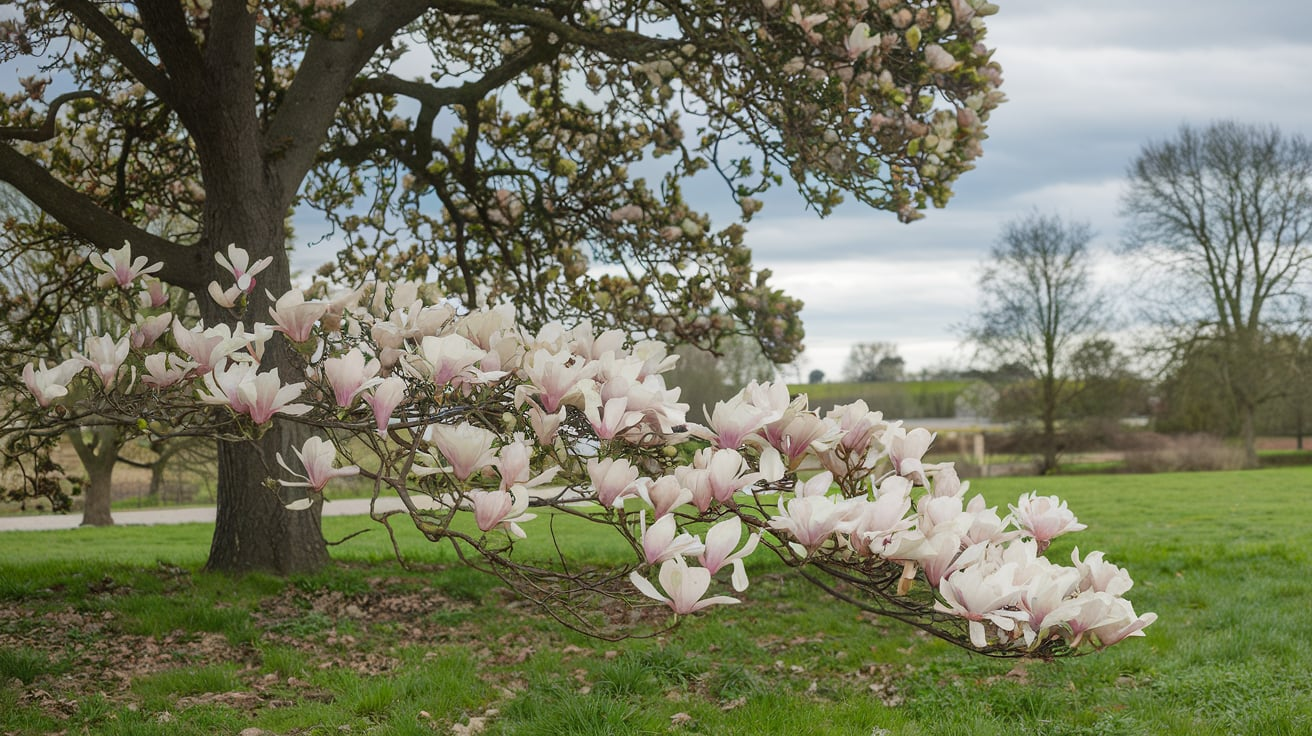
[114, 631]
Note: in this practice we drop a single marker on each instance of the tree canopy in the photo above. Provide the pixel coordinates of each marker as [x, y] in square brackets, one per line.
[498, 149]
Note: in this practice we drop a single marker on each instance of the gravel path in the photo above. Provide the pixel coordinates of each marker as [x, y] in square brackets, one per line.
[197, 515]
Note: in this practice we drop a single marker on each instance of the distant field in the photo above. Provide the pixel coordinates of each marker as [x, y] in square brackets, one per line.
[114, 631]
[909, 399]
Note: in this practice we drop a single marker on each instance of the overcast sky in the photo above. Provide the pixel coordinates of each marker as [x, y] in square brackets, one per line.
[1087, 85]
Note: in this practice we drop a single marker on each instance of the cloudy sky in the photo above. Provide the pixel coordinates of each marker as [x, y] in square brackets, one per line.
[1088, 84]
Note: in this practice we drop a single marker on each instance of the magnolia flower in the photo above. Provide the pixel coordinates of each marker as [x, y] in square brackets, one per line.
[207, 347]
[386, 396]
[938, 59]
[859, 41]
[721, 540]
[153, 293]
[466, 447]
[811, 520]
[104, 357]
[120, 268]
[684, 587]
[659, 542]
[556, 377]
[1044, 518]
[48, 384]
[613, 480]
[295, 316]
[1045, 599]
[726, 472]
[238, 264]
[443, 359]
[1099, 575]
[317, 456]
[501, 509]
[906, 449]
[979, 594]
[733, 421]
[611, 419]
[349, 375]
[513, 466]
[165, 369]
[1120, 623]
[664, 494]
[259, 396]
[226, 298]
[148, 329]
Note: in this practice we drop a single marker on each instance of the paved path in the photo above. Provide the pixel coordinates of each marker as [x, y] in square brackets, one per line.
[201, 515]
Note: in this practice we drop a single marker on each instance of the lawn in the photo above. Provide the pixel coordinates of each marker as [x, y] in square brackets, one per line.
[114, 631]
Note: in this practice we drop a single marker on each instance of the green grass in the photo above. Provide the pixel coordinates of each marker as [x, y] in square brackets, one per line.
[368, 647]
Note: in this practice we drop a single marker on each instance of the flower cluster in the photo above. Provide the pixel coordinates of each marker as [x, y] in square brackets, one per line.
[479, 418]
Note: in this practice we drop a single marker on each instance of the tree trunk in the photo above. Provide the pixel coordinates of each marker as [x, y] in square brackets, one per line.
[1248, 433]
[98, 457]
[253, 530]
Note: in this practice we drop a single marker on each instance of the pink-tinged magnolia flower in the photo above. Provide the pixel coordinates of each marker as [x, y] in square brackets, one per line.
[257, 395]
[979, 594]
[805, 22]
[985, 524]
[1098, 575]
[732, 422]
[153, 293]
[501, 509]
[545, 424]
[1121, 623]
[104, 357]
[721, 539]
[238, 263]
[207, 347]
[793, 436]
[317, 456]
[120, 268]
[384, 399]
[811, 520]
[879, 520]
[906, 449]
[818, 485]
[226, 298]
[726, 472]
[664, 494]
[659, 542]
[466, 447]
[611, 419]
[443, 359]
[613, 479]
[349, 375]
[264, 395]
[1044, 518]
[294, 316]
[555, 377]
[684, 587]
[148, 329]
[1092, 611]
[165, 369]
[1044, 599]
[514, 468]
[48, 384]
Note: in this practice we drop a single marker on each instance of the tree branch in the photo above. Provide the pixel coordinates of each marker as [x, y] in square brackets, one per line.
[122, 48]
[46, 130]
[87, 220]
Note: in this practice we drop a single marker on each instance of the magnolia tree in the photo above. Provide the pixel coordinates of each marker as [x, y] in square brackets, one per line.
[480, 426]
[506, 151]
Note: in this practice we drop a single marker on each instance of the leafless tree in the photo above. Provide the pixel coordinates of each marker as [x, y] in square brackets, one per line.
[1037, 305]
[1226, 212]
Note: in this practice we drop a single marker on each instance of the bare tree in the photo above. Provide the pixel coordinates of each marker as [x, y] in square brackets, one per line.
[873, 361]
[1226, 212]
[1037, 305]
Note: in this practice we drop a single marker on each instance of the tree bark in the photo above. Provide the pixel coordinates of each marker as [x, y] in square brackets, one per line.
[1248, 433]
[98, 457]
